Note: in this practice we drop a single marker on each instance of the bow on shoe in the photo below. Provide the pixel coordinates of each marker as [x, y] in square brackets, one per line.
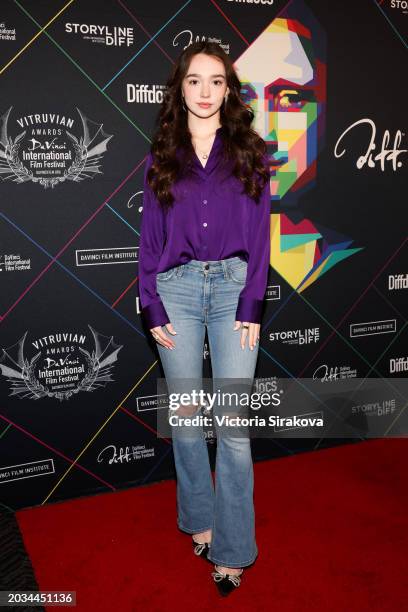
[199, 548]
[218, 576]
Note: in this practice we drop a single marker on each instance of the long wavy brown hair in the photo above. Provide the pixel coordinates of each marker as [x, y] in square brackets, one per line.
[241, 143]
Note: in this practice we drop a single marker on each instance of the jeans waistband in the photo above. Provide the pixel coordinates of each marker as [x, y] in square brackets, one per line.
[214, 266]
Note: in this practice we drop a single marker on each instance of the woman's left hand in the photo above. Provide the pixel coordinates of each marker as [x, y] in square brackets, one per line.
[252, 333]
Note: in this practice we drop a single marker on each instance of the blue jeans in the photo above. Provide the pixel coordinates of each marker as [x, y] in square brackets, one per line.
[198, 297]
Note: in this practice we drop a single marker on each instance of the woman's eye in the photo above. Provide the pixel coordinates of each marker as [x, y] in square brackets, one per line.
[196, 81]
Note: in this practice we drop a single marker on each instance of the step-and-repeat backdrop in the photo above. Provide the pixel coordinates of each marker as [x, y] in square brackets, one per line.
[81, 85]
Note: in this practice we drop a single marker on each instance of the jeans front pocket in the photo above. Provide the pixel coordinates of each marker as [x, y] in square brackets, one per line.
[238, 272]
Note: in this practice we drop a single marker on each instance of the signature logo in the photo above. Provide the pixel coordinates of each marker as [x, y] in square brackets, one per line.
[124, 455]
[189, 37]
[325, 373]
[384, 155]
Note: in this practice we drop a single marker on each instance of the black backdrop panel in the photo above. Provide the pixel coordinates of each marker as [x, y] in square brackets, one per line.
[81, 84]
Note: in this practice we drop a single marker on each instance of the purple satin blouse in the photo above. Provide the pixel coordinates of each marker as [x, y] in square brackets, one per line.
[210, 220]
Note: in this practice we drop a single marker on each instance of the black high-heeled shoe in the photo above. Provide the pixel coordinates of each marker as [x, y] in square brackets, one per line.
[226, 583]
[201, 550]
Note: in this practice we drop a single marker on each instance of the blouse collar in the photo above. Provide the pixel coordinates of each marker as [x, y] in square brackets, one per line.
[213, 156]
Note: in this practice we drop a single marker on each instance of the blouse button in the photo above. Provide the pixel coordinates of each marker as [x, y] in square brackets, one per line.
[204, 201]
[204, 224]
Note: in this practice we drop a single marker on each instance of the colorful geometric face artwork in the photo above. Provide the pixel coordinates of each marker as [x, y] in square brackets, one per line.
[287, 93]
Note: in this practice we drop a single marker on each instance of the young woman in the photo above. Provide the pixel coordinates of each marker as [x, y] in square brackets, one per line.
[203, 264]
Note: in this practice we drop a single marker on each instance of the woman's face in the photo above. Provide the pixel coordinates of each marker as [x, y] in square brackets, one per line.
[205, 82]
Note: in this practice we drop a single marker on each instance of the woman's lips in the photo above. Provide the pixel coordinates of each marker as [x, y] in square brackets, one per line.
[204, 104]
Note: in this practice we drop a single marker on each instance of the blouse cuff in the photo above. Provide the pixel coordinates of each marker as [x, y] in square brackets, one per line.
[249, 309]
[155, 314]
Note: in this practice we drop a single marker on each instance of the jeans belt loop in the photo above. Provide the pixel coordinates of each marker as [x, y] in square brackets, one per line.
[225, 269]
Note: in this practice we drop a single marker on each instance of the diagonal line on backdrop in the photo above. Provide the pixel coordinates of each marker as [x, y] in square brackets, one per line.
[136, 418]
[156, 34]
[234, 27]
[30, 42]
[96, 295]
[115, 212]
[227, 19]
[4, 431]
[353, 306]
[147, 43]
[56, 451]
[96, 434]
[365, 378]
[91, 80]
[156, 465]
[80, 67]
[213, 3]
[84, 73]
[390, 304]
[99, 297]
[335, 328]
[390, 22]
[79, 230]
[262, 349]
[396, 419]
[141, 26]
[79, 280]
[124, 292]
[349, 344]
[298, 382]
[337, 414]
[309, 304]
[61, 454]
[7, 507]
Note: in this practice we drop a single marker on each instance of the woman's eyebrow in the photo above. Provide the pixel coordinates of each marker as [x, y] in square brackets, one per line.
[198, 75]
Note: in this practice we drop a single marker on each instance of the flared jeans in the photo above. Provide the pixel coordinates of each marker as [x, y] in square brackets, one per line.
[202, 295]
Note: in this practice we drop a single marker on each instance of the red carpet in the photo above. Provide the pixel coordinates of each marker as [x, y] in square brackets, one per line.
[331, 531]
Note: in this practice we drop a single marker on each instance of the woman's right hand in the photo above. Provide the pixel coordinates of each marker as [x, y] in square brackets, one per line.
[162, 338]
